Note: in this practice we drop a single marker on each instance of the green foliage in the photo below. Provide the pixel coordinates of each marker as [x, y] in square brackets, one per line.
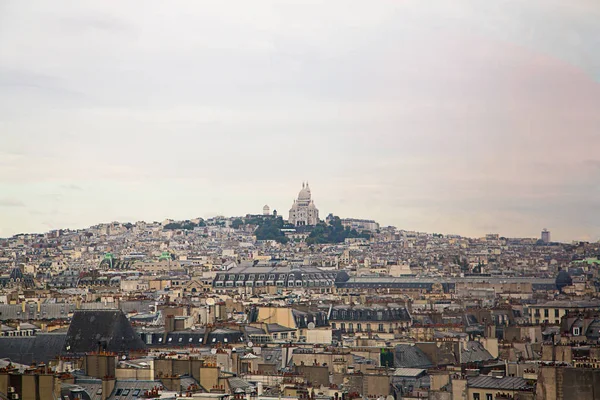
[236, 223]
[186, 225]
[270, 229]
[334, 233]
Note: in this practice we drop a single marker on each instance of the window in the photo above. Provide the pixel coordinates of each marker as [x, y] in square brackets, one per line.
[190, 340]
[136, 392]
[545, 312]
[343, 326]
[358, 327]
[380, 327]
[576, 331]
[125, 392]
[274, 336]
[284, 335]
[368, 327]
[333, 325]
[489, 396]
[476, 396]
[556, 312]
[99, 392]
[119, 391]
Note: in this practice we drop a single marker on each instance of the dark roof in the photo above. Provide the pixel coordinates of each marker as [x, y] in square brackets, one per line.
[593, 330]
[225, 335]
[272, 355]
[503, 383]
[342, 276]
[28, 349]
[563, 279]
[106, 329]
[408, 356]
[474, 352]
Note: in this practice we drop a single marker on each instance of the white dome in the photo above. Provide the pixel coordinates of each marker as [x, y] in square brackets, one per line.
[304, 193]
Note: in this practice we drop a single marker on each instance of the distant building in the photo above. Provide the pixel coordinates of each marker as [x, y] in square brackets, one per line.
[266, 210]
[262, 278]
[360, 224]
[546, 236]
[303, 211]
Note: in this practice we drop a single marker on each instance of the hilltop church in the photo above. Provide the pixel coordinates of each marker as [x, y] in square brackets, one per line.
[303, 211]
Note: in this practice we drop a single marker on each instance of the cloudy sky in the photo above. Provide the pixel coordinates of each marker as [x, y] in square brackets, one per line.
[461, 116]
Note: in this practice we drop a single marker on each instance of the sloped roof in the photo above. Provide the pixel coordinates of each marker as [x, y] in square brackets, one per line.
[407, 356]
[28, 349]
[110, 328]
[412, 372]
[503, 383]
[279, 328]
[474, 352]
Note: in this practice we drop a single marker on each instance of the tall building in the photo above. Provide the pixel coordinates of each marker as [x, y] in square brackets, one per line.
[546, 236]
[303, 211]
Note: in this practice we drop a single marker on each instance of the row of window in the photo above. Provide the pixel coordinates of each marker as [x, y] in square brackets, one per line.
[380, 327]
[273, 283]
[284, 335]
[272, 277]
[125, 392]
[546, 312]
[378, 315]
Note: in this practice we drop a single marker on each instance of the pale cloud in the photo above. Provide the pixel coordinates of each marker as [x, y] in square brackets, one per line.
[461, 116]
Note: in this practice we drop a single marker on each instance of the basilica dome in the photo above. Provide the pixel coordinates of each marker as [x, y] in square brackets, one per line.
[304, 193]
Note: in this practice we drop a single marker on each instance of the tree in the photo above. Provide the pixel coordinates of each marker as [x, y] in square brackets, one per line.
[270, 229]
[334, 232]
[236, 223]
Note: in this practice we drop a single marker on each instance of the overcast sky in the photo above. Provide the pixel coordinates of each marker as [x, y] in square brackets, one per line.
[461, 116]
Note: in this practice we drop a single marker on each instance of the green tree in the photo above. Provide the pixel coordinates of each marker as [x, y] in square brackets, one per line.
[270, 229]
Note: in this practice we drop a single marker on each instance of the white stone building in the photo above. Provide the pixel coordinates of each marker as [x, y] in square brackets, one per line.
[303, 211]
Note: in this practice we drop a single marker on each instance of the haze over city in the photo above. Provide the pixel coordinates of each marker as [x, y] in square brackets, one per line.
[461, 117]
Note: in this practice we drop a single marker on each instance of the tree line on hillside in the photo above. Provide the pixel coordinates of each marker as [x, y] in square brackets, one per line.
[334, 232]
[185, 225]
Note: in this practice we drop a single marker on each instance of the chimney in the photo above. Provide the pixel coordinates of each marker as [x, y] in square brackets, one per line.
[108, 385]
[169, 323]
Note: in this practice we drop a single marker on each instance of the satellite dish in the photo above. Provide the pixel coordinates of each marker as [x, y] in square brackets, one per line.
[210, 301]
[213, 351]
[311, 325]
[250, 344]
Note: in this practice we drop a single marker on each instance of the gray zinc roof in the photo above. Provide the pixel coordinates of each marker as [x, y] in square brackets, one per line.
[503, 383]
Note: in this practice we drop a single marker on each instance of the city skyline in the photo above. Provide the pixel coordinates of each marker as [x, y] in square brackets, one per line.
[466, 118]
